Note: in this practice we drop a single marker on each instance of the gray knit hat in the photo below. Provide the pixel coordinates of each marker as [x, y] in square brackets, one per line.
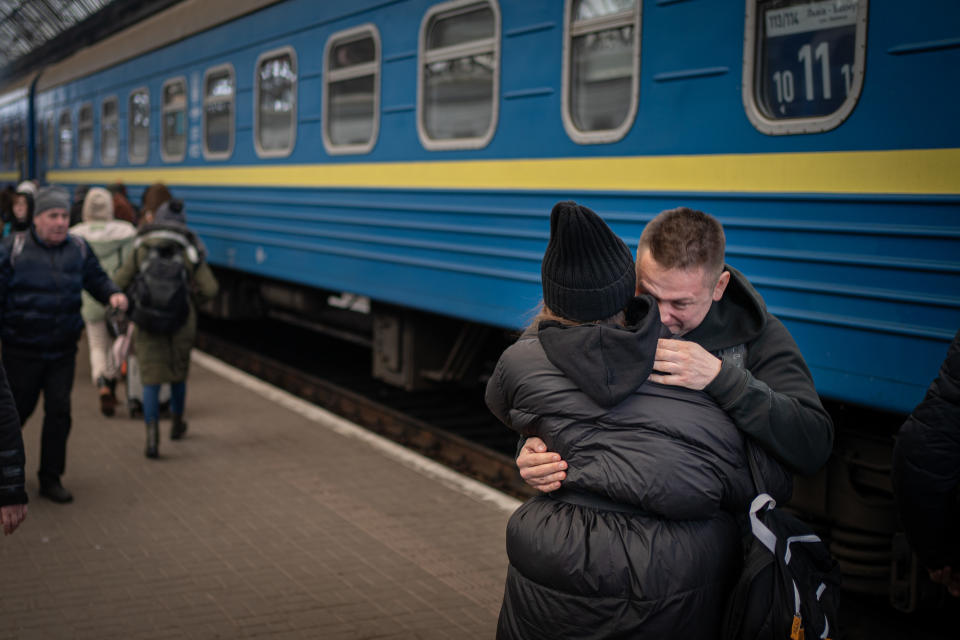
[51, 197]
[171, 212]
[587, 271]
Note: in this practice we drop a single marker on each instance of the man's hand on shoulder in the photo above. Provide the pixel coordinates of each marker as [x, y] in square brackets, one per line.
[539, 468]
[682, 363]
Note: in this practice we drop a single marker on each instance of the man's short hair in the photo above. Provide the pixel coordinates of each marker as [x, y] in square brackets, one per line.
[685, 238]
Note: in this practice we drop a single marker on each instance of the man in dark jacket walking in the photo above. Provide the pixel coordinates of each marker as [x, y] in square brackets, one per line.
[42, 272]
[724, 342]
[926, 474]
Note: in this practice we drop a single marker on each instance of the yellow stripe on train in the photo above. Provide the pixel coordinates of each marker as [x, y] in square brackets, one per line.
[918, 171]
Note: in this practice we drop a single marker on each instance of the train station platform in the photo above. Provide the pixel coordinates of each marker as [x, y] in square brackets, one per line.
[272, 519]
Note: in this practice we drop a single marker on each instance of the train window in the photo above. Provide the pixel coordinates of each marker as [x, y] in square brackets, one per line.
[109, 132]
[601, 69]
[803, 63]
[218, 95]
[65, 130]
[459, 75]
[351, 104]
[173, 132]
[275, 115]
[138, 126]
[85, 135]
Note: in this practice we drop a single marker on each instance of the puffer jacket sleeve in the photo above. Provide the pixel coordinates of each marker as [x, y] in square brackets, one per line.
[926, 468]
[205, 283]
[12, 457]
[95, 279]
[496, 397]
[123, 276]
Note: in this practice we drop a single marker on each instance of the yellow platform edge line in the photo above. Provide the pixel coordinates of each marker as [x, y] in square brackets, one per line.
[920, 171]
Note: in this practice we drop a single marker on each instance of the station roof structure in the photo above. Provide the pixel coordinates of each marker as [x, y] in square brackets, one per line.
[39, 32]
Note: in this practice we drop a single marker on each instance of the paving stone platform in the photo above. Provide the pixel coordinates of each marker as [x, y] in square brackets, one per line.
[270, 519]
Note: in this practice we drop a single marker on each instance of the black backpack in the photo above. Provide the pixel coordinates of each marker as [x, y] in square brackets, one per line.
[789, 585]
[160, 292]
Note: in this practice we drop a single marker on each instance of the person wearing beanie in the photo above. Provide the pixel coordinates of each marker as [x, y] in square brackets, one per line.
[110, 240]
[643, 539]
[27, 186]
[171, 213]
[724, 341]
[164, 337]
[42, 273]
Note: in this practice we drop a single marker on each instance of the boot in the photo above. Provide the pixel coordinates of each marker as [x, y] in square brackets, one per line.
[178, 428]
[108, 401]
[153, 439]
[51, 489]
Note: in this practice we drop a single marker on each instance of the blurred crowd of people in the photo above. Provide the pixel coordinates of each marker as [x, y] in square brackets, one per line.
[89, 262]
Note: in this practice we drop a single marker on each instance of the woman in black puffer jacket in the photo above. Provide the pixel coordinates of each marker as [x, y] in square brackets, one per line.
[643, 539]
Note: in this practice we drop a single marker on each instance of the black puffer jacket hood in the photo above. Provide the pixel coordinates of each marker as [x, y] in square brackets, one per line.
[606, 362]
[737, 318]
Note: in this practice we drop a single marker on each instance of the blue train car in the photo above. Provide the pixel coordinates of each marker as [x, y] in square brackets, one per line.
[409, 152]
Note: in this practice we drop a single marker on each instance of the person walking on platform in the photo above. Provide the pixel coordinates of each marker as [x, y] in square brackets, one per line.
[76, 207]
[22, 211]
[167, 276]
[42, 273]
[13, 497]
[642, 540]
[724, 341]
[111, 240]
[154, 197]
[926, 475]
[122, 209]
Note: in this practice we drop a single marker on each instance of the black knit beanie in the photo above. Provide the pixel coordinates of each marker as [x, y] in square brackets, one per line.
[587, 271]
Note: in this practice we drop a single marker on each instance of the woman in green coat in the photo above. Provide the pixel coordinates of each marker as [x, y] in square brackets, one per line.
[164, 337]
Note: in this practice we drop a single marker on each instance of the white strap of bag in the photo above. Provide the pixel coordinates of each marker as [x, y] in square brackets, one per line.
[760, 530]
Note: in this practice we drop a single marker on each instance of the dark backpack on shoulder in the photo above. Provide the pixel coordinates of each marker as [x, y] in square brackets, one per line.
[160, 291]
[789, 585]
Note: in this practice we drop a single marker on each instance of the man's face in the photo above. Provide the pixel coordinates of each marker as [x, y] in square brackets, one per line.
[683, 295]
[52, 225]
[20, 208]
